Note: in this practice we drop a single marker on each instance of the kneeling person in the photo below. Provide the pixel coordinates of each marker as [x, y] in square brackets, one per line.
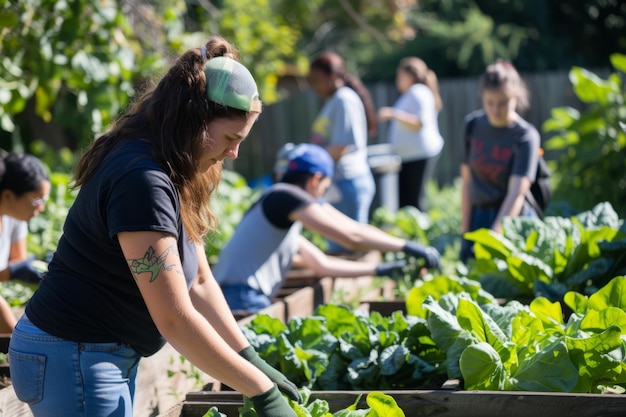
[253, 265]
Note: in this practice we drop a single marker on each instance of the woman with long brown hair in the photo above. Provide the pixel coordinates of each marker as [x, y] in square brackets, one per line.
[130, 272]
[414, 129]
[342, 127]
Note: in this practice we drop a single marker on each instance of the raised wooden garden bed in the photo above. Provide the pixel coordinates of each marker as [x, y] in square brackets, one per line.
[439, 403]
[293, 301]
[383, 307]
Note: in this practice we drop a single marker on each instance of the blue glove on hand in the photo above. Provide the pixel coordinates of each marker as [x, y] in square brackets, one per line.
[272, 404]
[285, 385]
[428, 253]
[388, 269]
[25, 271]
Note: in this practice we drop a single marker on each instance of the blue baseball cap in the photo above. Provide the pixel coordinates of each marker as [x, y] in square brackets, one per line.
[307, 157]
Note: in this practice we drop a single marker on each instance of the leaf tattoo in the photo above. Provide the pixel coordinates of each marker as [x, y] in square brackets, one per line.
[151, 263]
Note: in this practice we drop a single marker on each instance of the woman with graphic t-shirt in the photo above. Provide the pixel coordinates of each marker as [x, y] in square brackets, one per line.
[501, 153]
[342, 127]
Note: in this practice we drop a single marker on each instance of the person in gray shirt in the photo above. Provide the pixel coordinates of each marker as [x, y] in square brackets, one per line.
[342, 127]
[501, 153]
[253, 265]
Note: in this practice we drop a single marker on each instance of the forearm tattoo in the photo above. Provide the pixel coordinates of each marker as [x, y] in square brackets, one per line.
[152, 263]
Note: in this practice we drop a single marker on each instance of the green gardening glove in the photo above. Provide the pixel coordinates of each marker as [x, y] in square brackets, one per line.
[285, 385]
[272, 404]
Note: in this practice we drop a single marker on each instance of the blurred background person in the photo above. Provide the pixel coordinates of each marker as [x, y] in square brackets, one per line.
[342, 127]
[24, 190]
[501, 153]
[414, 129]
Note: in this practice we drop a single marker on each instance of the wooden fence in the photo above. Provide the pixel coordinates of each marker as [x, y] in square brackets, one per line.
[290, 120]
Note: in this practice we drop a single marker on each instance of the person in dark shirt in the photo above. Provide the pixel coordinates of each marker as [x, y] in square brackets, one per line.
[501, 153]
[253, 265]
[130, 272]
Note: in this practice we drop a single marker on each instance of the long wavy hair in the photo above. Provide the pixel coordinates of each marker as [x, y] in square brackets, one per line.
[173, 117]
[330, 63]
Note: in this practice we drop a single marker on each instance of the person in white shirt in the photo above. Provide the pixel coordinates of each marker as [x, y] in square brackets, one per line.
[342, 127]
[414, 129]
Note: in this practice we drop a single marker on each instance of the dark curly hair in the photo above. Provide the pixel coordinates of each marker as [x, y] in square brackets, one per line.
[22, 173]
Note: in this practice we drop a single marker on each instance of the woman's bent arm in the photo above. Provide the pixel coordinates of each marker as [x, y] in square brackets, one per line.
[155, 263]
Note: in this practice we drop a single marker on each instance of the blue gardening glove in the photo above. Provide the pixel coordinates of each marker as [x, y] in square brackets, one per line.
[428, 253]
[25, 271]
[272, 404]
[285, 385]
[388, 269]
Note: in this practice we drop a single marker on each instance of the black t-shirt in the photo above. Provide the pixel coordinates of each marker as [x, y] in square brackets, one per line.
[89, 294]
[281, 201]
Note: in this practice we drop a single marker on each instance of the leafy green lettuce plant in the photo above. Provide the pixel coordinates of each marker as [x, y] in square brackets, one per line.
[531, 348]
[380, 404]
[341, 348]
[440, 286]
[551, 256]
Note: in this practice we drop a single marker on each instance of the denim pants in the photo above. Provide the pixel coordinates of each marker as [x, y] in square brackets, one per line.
[357, 195]
[483, 218]
[57, 377]
[244, 298]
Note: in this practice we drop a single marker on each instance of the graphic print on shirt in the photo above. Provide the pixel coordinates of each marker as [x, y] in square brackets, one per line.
[490, 165]
[321, 131]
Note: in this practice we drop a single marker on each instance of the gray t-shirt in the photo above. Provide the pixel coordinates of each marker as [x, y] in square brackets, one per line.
[13, 231]
[260, 252]
[342, 121]
[494, 154]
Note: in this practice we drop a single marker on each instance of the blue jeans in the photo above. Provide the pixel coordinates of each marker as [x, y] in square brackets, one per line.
[244, 298]
[483, 218]
[57, 377]
[357, 195]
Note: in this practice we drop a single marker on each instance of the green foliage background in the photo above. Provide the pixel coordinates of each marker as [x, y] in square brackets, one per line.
[592, 144]
[69, 66]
